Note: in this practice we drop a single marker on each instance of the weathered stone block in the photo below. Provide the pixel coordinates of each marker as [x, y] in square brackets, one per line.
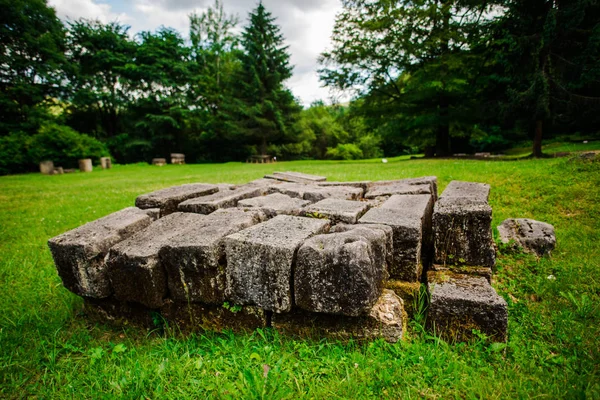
[338, 210]
[409, 216]
[387, 230]
[460, 303]
[134, 266]
[315, 193]
[47, 167]
[386, 320]
[85, 165]
[275, 204]
[462, 232]
[533, 236]
[409, 292]
[299, 177]
[484, 272]
[359, 184]
[153, 213]
[471, 190]
[79, 254]
[120, 313]
[341, 273]
[260, 259]
[222, 199]
[168, 199]
[106, 162]
[195, 259]
[423, 185]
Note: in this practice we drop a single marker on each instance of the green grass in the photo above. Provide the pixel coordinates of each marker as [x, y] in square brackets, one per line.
[48, 350]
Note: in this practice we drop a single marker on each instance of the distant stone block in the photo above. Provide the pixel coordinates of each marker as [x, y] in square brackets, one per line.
[275, 204]
[47, 167]
[298, 177]
[177, 158]
[315, 193]
[409, 216]
[260, 259]
[85, 165]
[341, 273]
[222, 199]
[533, 236]
[106, 162]
[195, 259]
[79, 254]
[168, 199]
[385, 320]
[338, 210]
[159, 162]
[461, 303]
[134, 266]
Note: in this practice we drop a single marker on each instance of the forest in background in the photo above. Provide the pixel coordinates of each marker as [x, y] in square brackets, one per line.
[432, 76]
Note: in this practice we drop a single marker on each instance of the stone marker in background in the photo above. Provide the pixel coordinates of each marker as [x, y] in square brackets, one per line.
[221, 199]
[85, 165]
[533, 236]
[59, 171]
[168, 199]
[177, 158]
[337, 210]
[106, 162]
[47, 167]
[275, 204]
[159, 162]
[79, 254]
[260, 259]
[461, 303]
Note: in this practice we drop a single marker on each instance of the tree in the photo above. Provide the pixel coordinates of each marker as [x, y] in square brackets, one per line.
[31, 63]
[410, 58]
[267, 108]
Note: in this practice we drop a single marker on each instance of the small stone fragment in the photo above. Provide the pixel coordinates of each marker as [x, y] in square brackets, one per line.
[533, 236]
[79, 254]
[275, 204]
[221, 199]
[338, 210]
[341, 273]
[153, 213]
[409, 292]
[168, 199]
[461, 303]
[260, 259]
[386, 320]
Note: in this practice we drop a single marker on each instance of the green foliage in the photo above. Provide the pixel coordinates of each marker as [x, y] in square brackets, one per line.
[14, 150]
[64, 146]
[345, 151]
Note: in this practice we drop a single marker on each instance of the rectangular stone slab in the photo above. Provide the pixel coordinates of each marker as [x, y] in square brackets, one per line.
[290, 176]
[461, 303]
[134, 266]
[195, 259]
[423, 185]
[409, 216]
[79, 254]
[275, 204]
[338, 210]
[168, 199]
[473, 190]
[387, 230]
[385, 320]
[359, 184]
[315, 193]
[222, 199]
[260, 259]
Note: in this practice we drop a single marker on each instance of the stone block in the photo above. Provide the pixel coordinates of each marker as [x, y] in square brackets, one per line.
[159, 162]
[533, 236]
[195, 259]
[106, 162]
[409, 292]
[168, 199]
[385, 320]
[275, 204]
[120, 314]
[338, 210]
[47, 167]
[409, 216]
[134, 267]
[341, 273]
[359, 184]
[79, 254]
[85, 165]
[177, 158]
[298, 177]
[260, 259]
[387, 230]
[315, 193]
[471, 190]
[222, 199]
[484, 272]
[462, 232]
[194, 317]
[461, 303]
[153, 213]
[422, 185]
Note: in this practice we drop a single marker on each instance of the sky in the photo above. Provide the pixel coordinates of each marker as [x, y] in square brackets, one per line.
[306, 26]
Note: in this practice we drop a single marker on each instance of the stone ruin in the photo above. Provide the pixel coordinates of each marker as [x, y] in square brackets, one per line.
[296, 253]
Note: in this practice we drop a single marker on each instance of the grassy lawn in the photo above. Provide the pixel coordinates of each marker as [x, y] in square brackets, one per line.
[48, 350]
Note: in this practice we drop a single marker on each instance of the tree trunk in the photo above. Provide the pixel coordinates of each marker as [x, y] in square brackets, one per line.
[263, 147]
[537, 139]
[442, 141]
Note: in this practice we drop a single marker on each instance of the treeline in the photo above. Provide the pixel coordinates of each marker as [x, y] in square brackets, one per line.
[432, 76]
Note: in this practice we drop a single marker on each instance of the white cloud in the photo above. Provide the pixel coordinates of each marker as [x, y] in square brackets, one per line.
[89, 9]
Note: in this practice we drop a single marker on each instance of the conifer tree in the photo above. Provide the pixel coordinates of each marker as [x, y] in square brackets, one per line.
[267, 107]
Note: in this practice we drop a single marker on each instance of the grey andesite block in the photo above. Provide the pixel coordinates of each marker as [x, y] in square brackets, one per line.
[461, 303]
[410, 218]
[387, 230]
[275, 204]
[315, 193]
[260, 259]
[423, 185]
[533, 236]
[194, 260]
[222, 199]
[299, 177]
[134, 266]
[79, 254]
[168, 199]
[341, 273]
[359, 184]
[385, 320]
[339, 210]
[462, 231]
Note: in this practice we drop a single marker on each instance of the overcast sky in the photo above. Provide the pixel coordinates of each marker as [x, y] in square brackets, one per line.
[306, 26]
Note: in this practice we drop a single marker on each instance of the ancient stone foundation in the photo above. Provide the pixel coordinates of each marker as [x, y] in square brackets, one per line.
[292, 251]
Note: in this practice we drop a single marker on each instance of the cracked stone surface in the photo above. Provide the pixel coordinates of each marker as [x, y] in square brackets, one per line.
[168, 199]
[533, 236]
[338, 210]
[222, 199]
[275, 204]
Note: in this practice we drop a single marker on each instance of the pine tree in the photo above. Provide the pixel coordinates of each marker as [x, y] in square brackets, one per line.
[267, 107]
